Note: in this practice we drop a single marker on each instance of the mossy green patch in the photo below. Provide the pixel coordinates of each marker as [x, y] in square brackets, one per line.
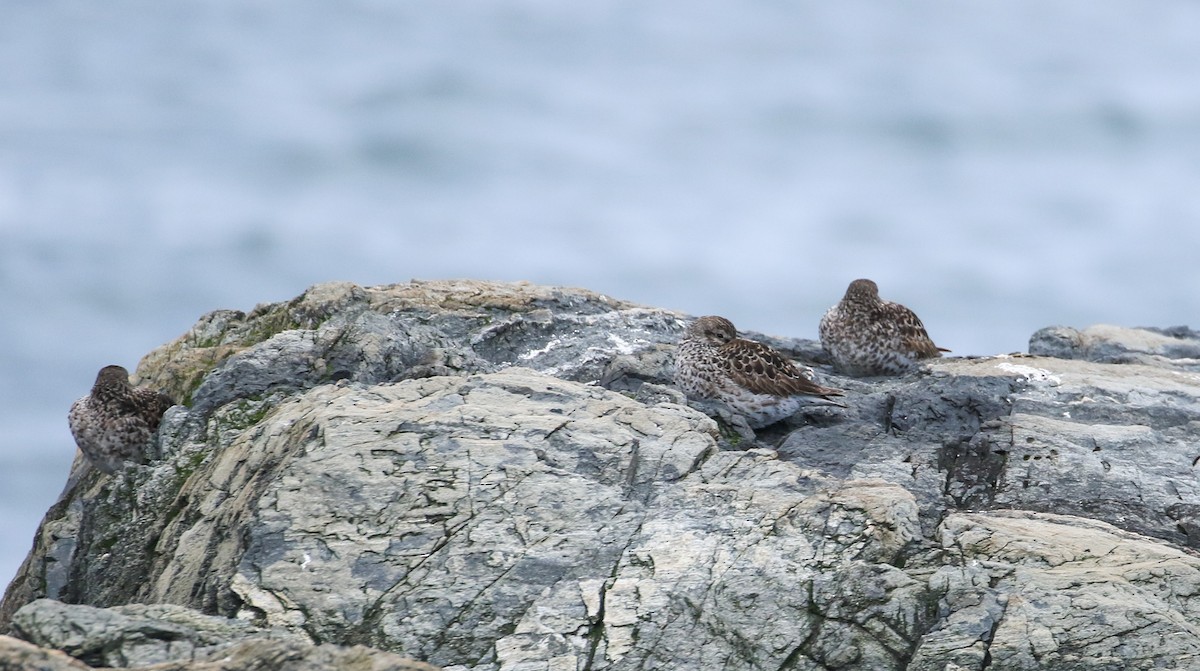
[192, 381]
[243, 414]
[188, 465]
[728, 433]
[269, 325]
[205, 343]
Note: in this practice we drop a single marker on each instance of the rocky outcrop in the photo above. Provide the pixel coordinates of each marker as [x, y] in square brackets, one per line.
[498, 476]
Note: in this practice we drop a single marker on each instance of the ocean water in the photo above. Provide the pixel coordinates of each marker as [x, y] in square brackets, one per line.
[997, 167]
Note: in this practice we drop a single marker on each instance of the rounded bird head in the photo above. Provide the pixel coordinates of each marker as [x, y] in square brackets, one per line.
[716, 330]
[862, 290]
[112, 376]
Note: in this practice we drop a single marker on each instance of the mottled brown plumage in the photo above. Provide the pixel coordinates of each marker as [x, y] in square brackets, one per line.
[866, 335]
[752, 379]
[116, 421]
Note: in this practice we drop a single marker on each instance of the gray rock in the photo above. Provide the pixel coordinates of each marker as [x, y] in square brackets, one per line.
[277, 655]
[165, 636]
[1176, 347]
[431, 491]
[233, 369]
[18, 655]
[132, 635]
[494, 476]
[1034, 590]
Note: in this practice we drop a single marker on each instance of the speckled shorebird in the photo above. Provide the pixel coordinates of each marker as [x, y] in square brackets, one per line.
[866, 335]
[116, 421]
[752, 379]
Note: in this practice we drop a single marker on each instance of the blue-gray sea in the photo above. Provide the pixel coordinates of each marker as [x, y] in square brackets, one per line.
[998, 167]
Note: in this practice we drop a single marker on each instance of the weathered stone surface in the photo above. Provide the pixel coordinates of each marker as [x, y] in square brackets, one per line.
[277, 655]
[468, 493]
[132, 635]
[233, 369]
[1034, 590]
[495, 476]
[381, 334]
[1176, 347]
[18, 655]
[164, 636]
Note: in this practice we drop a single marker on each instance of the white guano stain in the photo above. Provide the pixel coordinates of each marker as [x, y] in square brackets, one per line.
[1030, 373]
[554, 342]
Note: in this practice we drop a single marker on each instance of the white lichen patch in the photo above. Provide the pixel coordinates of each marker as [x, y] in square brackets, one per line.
[1030, 373]
[622, 347]
[534, 353]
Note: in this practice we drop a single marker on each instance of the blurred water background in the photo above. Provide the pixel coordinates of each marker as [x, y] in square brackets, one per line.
[998, 167]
